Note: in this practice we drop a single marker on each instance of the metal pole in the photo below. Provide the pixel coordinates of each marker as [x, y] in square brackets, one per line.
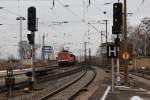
[20, 41]
[40, 47]
[64, 39]
[43, 56]
[85, 52]
[43, 39]
[145, 46]
[89, 57]
[106, 31]
[32, 60]
[37, 23]
[101, 48]
[21, 52]
[118, 73]
[106, 40]
[117, 63]
[113, 83]
[125, 44]
[101, 37]
[106, 22]
[80, 56]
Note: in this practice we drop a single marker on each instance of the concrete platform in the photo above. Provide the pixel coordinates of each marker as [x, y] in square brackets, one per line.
[100, 89]
[128, 94]
[16, 71]
[97, 88]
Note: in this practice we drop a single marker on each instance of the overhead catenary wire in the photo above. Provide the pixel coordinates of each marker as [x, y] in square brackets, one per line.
[85, 22]
[53, 5]
[10, 12]
[24, 0]
[94, 28]
[139, 7]
[73, 13]
[68, 9]
[95, 6]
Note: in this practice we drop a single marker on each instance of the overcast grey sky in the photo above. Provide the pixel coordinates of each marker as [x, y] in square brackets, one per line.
[76, 31]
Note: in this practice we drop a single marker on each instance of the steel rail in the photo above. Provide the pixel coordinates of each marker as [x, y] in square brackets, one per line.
[61, 89]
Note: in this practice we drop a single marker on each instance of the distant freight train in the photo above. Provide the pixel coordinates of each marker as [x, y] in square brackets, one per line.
[66, 58]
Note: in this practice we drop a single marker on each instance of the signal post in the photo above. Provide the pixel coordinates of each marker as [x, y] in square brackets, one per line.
[116, 30]
[32, 27]
[120, 26]
[112, 53]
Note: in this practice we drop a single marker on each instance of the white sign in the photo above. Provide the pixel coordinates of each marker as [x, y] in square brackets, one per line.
[112, 51]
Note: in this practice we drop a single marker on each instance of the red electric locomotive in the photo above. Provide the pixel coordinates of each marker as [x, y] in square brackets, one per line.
[65, 58]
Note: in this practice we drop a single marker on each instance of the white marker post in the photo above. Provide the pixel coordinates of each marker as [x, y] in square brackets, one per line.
[112, 53]
[118, 73]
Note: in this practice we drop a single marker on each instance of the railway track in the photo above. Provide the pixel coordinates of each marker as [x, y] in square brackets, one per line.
[50, 81]
[63, 73]
[22, 81]
[143, 74]
[77, 80]
[18, 72]
[134, 77]
[68, 91]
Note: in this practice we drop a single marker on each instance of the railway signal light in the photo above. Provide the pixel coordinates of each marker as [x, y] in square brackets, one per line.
[30, 38]
[117, 14]
[117, 18]
[32, 19]
[116, 29]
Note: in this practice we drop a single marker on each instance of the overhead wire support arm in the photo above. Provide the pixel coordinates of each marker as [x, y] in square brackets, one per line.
[68, 9]
[53, 4]
[89, 3]
[94, 27]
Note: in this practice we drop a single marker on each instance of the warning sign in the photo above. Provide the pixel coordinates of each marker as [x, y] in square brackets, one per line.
[125, 56]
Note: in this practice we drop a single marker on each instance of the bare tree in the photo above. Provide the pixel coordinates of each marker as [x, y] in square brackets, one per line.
[139, 36]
